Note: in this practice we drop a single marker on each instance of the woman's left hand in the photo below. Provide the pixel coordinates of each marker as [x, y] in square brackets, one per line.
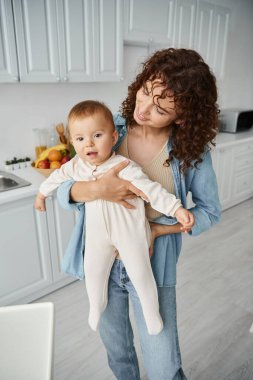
[153, 227]
[162, 229]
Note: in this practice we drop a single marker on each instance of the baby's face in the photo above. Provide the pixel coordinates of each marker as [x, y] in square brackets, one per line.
[93, 138]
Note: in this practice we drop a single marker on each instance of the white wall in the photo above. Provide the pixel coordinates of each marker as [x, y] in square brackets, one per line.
[27, 106]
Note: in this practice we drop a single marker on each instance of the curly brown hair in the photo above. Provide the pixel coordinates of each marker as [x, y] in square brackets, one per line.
[184, 73]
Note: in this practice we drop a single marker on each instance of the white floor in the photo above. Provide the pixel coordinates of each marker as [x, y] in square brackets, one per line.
[215, 309]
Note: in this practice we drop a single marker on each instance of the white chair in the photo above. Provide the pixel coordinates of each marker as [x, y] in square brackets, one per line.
[26, 341]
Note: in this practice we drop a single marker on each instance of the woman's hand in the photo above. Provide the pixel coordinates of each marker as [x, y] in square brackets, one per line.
[161, 229]
[114, 189]
[108, 187]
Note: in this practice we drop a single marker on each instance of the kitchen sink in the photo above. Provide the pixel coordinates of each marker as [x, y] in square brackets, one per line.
[9, 181]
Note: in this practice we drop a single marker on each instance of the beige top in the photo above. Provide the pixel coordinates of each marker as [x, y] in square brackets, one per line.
[156, 171]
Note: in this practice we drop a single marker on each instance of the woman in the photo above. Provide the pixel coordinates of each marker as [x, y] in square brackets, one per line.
[168, 121]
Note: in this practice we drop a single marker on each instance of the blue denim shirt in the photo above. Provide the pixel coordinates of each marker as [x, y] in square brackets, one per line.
[201, 182]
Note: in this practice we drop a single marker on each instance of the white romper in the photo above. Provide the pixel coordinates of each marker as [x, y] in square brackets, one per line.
[110, 227]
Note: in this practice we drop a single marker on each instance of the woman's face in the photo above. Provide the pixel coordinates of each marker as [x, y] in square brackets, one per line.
[151, 111]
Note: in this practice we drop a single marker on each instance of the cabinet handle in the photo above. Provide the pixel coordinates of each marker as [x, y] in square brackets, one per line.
[65, 79]
[16, 79]
[58, 79]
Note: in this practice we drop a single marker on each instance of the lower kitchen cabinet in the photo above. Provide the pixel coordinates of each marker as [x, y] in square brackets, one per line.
[32, 245]
[223, 166]
[233, 165]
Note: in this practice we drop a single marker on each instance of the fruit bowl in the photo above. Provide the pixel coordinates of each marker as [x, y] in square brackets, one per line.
[45, 172]
[51, 159]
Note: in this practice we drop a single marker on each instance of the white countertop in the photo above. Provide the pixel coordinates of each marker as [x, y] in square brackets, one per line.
[31, 175]
[227, 139]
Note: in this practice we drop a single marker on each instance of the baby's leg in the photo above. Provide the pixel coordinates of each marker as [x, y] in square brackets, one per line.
[132, 242]
[136, 259]
[98, 260]
[96, 277]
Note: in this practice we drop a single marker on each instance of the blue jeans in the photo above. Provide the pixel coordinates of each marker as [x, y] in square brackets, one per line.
[161, 353]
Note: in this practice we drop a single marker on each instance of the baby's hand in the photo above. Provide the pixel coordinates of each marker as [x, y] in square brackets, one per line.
[185, 217]
[40, 203]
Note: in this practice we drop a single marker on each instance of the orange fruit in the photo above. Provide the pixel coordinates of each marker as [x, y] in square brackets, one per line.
[55, 165]
[54, 155]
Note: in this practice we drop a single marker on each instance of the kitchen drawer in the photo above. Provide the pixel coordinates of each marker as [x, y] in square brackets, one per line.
[243, 161]
[243, 148]
[243, 183]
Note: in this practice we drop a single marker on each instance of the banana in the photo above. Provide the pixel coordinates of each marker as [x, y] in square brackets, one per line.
[43, 155]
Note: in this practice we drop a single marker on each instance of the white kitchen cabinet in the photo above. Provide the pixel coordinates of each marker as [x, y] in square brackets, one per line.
[90, 40]
[191, 24]
[37, 43]
[60, 224]
[8, 53]
[66, 40]
[148, 22]
[75, 31]
[160, 23]
[184, 23]
[223, 161]
[233, 165]
[108, 40]
[211, 35]
[243, 172]
[32, 246]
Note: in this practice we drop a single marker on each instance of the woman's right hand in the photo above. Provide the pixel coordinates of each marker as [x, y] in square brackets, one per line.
[114, 189]
[108, 187]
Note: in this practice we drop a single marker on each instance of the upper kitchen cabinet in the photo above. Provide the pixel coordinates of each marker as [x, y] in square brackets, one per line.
[108, 40]
[8, 54]
[160, 23]
[148, 21]
[37, 42]
[75, 40]
[90, 40]
[184, 23]
[192, 24]
[211, 35]
[66, 40]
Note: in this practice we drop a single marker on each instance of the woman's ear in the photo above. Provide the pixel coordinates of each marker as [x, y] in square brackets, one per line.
[115, 137]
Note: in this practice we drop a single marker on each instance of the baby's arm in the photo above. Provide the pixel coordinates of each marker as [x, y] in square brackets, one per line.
[40, 202]
[159, 198]
[56, 178]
